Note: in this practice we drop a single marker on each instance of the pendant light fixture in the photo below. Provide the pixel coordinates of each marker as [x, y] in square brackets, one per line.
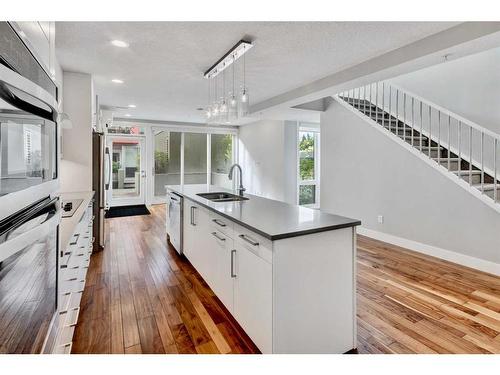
[244, 97]
[233, 102]
[230, 106]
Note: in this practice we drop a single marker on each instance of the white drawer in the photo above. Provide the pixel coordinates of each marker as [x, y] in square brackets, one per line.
[221, 224]
[257, 244]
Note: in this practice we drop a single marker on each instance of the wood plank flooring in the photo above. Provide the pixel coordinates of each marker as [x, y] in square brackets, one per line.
[141, 297]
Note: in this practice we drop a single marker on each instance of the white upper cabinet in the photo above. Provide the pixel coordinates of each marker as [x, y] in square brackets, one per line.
[39, 36]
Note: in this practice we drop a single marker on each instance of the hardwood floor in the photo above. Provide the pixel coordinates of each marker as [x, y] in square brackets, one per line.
[141, 297]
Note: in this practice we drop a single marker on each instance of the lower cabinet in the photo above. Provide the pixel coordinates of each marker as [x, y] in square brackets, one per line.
[234, 268]
[224, 267]
[73, 265]
[253, 297]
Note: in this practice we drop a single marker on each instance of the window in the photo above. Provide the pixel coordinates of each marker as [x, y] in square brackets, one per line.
[308, 167]
[221, 149]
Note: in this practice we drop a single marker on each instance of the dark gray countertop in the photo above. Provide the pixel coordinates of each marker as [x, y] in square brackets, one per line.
[272, 219]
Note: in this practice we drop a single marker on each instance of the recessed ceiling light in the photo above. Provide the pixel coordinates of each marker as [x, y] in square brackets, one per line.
[128, 115]
[131, 105]
[119, 43]
[116, 80]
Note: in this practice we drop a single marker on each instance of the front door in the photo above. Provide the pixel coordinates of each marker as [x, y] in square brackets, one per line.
[125, 155]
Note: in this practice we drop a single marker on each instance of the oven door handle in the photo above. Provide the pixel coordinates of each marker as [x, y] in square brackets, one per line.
[9, 94]
[18, 243]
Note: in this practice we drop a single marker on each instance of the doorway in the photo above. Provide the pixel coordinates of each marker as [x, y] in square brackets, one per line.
[128, 172]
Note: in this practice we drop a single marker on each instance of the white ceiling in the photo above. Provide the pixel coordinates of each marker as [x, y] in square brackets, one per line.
[164, 64]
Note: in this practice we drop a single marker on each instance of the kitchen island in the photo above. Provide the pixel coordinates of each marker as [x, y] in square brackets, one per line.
[286, 273]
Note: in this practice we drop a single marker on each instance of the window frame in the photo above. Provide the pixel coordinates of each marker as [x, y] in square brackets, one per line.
[310, 128]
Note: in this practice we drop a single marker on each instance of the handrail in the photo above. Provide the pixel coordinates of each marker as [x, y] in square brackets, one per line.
[445, 111]
[374, 106]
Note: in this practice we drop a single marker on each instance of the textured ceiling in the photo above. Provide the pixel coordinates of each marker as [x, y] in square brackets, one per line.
[164, 64]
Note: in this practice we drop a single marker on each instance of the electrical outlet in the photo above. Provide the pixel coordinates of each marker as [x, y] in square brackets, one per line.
[380, 219]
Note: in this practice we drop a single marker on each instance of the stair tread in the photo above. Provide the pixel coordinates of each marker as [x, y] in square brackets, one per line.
[467, 172]
[487, 187]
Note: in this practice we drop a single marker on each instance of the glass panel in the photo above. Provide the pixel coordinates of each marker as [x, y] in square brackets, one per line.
[221, 159]
[27, 152]
[126, 168]
[306, 156]
[195, 158]
[307, 194]
[167, 160]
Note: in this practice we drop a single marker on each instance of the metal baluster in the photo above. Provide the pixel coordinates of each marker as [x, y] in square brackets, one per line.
[429, 137]
[390, 113]
[404, 116]
[412, 121]
[439, 137]
[397, 111]
[383, 103]
[376, 102]
[421, 126]
[459, 146]
[482, 162]
[495, 194]
[364, 99]
[370, 104]
[449, 140]
[470, 155]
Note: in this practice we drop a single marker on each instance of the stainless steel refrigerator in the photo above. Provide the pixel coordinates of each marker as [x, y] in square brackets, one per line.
[98, 181]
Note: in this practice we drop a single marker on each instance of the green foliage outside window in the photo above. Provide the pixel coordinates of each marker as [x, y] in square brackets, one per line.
[306, 152]
[161, 161]
[222, 152]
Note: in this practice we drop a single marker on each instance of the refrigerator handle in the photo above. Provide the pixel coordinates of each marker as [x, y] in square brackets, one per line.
[108, 175]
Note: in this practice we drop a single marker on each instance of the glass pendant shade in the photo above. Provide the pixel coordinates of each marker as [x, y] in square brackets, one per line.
[223, 111]
[233, 108]
[244, 102]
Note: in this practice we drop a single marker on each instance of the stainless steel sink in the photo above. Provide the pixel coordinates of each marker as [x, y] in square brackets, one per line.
[222, 197]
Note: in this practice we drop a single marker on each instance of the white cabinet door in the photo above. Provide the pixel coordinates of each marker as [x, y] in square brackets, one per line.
[196, 239]
[224, 273]
[189, 234]
[253, 297]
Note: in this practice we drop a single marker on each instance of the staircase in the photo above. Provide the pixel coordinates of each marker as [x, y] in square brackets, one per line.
[456, 146]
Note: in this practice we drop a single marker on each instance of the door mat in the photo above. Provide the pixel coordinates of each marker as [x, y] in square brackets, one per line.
[121, 211]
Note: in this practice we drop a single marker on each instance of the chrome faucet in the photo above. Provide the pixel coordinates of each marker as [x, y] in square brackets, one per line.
[240, 189]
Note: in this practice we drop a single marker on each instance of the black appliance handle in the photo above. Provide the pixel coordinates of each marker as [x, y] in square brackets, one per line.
[7, 93]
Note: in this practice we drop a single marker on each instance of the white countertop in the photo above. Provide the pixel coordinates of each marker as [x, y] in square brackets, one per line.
[68, 224]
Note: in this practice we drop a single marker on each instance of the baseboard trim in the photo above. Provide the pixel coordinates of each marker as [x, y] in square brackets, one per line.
[448, 255]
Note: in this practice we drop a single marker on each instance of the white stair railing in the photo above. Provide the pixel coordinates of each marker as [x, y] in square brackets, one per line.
[464, 148]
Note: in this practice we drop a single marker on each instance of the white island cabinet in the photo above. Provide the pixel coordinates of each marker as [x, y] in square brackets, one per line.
[292, 291]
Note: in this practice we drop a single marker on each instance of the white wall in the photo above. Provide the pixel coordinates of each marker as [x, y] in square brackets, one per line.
[469, 86]
[261, 155]
[76, 164]
[365, 174]
[267, 156]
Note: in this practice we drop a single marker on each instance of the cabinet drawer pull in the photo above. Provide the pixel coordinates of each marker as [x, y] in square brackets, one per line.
[233, 275]
[72, 279]
[75, 239]
[218, 237]
[248, 239]
[219, 223]
[192, 215]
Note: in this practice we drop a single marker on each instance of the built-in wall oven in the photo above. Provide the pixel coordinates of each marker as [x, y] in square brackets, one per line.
[29, 203]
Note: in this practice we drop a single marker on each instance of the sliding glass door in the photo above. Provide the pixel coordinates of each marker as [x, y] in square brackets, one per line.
[167, 160]
[189, 157]
[195, 158]
[221, 159]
